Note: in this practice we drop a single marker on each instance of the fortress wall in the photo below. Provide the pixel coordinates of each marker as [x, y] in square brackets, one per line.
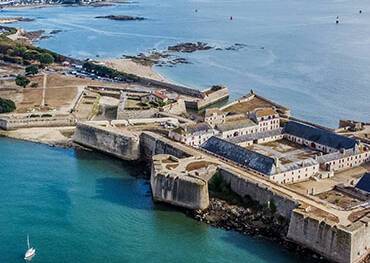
[152, 145]
[260, 193]
[328, 240]
[172, 87]
[179, 190]
[208, 99]
[360, 239]
[123, 145]
[176, 108]
[18, 123]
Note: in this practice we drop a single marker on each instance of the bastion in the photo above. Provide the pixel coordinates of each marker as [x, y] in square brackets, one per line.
[122, 144]
[181, 182]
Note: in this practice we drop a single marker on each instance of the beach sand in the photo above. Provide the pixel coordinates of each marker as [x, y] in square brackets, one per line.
[128, 66]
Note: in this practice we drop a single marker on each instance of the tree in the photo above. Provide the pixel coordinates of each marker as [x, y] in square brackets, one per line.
[46, 58]
[22, 81]
[32, 70]
[6, 105]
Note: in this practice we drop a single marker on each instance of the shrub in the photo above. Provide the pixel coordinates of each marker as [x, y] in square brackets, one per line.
[22, 81]
[6, 105]
[46, 58]
[32, 69]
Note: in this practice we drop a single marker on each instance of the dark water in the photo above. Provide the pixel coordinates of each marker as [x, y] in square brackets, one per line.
[84, 207]
[295, 53]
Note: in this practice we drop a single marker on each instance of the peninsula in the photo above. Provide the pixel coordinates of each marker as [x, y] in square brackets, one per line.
[248, 165]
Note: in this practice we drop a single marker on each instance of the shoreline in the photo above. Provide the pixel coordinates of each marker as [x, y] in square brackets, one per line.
[132, 67]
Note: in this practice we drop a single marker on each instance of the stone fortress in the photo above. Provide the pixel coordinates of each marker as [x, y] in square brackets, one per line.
[316, 177]
[262, 152]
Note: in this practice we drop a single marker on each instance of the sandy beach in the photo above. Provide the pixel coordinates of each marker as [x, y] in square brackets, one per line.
[128, 66]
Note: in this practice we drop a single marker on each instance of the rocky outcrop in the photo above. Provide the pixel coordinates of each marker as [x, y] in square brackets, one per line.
[121, 17]
[189, 47]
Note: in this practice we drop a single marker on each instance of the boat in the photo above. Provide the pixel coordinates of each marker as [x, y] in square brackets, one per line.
[31, 252]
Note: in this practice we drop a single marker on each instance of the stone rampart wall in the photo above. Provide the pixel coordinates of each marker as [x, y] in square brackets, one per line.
[152, 145]
[123, 145]
[328, 240]
[18, 123]
[260, 193]
[178, 190]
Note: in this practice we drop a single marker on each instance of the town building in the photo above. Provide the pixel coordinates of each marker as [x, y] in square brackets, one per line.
[214, 116]
[158, 97]
[236, 128]
[193, 134]
[267, 166]
[267, 118]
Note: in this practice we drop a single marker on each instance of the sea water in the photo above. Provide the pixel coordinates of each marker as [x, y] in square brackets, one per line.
[294, 52]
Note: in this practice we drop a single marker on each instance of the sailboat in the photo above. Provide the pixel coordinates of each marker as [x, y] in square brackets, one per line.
[31, 252]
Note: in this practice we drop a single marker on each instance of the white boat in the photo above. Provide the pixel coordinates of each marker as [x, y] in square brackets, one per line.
[31, 252]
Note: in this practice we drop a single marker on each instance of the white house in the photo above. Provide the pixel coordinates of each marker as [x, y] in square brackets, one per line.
[194, 134]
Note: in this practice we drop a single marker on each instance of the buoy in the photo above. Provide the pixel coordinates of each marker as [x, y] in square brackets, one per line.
[360, 11]
[231, 18]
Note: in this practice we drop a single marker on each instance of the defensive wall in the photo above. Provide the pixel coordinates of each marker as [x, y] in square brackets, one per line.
[17, 121]
[210, 96]
[182, 183]
[338, 243]
[124, 145]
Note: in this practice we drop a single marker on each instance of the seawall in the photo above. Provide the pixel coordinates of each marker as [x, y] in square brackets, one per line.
[124, 145]
[335, 242]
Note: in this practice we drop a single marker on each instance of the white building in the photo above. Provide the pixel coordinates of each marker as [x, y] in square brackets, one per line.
[236, 128]
[214, 116]
[194, 135]
[267, 118]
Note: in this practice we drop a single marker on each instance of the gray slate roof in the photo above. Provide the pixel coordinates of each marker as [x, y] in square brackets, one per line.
[240, 155]
[233, 125]
[364, 183]
[320, 136]
[255, 136]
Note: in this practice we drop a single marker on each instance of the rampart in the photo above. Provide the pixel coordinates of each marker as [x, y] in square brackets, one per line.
[17, 121]
[210, 96]
[173, 182]
[124, 145]
[260, 193]
[335, 242]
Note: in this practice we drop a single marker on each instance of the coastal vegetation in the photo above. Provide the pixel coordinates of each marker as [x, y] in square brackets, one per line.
[26, 54]
[103, 71]
[22, 81]
[6, 105]
[32, 70]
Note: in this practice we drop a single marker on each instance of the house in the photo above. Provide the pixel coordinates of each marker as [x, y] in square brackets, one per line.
[236, 128]
[214, 116]
[267, 118]
[193, 134]
[158, 96]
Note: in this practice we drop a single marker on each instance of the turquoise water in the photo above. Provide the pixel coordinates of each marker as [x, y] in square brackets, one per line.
[83, 207]
[295, 52]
